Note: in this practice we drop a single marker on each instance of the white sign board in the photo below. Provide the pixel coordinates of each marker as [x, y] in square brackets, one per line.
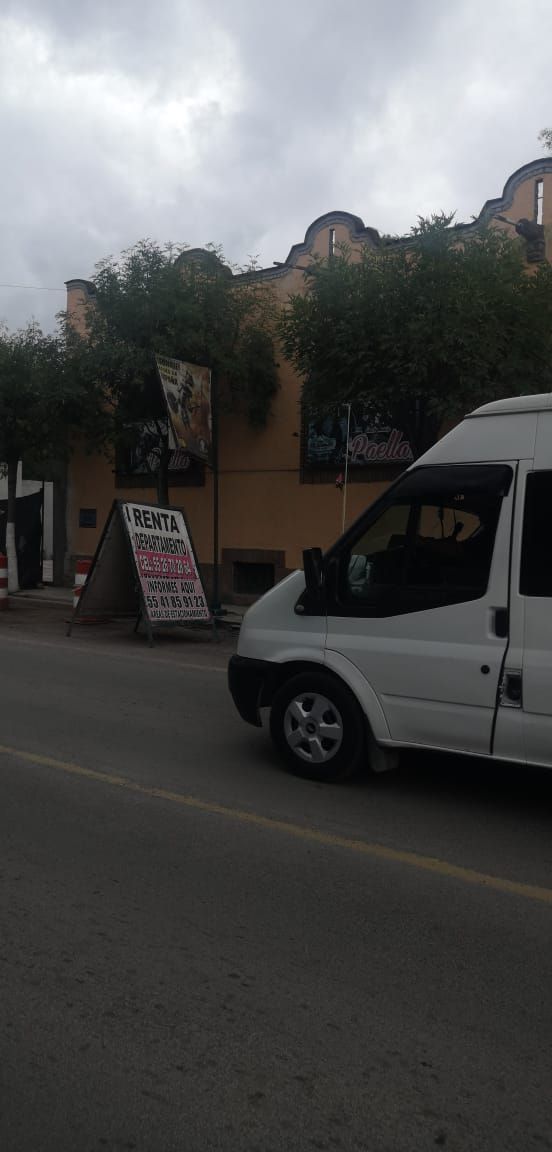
[165, 563]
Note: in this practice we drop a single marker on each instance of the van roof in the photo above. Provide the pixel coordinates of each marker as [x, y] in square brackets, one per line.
[539, 403]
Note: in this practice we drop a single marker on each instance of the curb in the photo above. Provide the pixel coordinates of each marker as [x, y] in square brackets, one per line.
[61, 602]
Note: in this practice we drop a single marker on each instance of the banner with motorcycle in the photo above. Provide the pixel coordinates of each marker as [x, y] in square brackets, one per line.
[187, 392]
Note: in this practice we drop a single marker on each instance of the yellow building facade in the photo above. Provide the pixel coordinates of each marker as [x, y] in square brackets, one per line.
[277, 485]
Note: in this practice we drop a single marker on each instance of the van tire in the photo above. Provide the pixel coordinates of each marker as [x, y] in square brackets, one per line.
[330, 745]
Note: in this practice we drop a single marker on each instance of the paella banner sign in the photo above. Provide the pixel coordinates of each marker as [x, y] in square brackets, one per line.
[371, 441]
[187, 393]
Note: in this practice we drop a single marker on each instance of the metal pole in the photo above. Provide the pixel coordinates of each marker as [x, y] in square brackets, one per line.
[215, 606]
[348, 407]
[41, 577]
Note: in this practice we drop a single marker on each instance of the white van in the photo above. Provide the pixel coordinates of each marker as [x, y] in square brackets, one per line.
[429, 623]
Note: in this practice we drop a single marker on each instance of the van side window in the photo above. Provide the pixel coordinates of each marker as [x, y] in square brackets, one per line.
[536, 544]
[431, 544]
[378, 558]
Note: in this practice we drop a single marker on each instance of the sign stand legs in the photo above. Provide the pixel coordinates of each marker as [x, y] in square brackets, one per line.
[149, 630]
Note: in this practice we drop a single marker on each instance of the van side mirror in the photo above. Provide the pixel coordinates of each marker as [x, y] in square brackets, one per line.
[312, 567]
[332, 580]
[311, 602]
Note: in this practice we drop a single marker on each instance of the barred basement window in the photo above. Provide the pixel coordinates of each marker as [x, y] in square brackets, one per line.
[252, 579]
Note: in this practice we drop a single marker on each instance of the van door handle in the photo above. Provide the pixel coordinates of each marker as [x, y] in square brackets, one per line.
[501, 622]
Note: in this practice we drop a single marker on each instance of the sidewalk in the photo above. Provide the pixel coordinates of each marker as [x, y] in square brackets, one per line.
[231, 614]
[45, 595]
[45, 613]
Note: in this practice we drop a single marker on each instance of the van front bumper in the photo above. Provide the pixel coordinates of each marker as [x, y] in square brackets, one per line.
[246, 680]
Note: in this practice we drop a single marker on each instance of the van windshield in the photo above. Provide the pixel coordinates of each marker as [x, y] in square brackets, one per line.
[437, 537]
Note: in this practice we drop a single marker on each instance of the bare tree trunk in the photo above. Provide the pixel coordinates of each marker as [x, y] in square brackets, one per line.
[13, 571]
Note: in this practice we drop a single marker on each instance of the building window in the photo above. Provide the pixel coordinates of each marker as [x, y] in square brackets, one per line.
[252, 579]
[539, 200]
[87, 517]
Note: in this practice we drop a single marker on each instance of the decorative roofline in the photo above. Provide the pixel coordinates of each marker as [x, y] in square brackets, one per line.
[203, 256]
[356, 226]
[359, 232]
[535, 168]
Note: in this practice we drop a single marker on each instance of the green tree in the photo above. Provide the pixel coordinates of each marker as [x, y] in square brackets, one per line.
[183, 304]
[39, 404]
[424, 329]
[546, 138]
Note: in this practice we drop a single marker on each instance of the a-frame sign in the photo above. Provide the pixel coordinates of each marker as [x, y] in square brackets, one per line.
[145, 566]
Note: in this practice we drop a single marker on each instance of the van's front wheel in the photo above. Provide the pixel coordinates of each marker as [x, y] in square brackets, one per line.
[317, 726]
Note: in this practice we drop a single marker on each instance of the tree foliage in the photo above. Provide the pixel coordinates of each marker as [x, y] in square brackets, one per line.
[423, 330]
[39, 405]
[39, 401]
[183, 304]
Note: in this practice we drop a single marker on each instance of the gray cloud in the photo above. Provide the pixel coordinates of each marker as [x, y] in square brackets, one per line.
[240, 122]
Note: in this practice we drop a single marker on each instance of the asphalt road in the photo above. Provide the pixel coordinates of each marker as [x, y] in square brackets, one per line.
[200, 952]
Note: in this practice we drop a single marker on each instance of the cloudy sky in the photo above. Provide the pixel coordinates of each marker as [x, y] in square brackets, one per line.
[240, 121]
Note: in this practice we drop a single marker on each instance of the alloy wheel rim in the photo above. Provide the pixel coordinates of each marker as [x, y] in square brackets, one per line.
[313, 728]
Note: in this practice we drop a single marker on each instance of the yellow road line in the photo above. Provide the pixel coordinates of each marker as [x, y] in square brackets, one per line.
[308, 834]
